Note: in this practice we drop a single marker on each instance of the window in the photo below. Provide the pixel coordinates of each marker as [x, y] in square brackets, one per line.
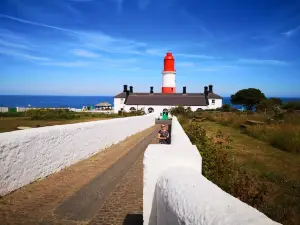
[122, 109]
[213, 101]
[132, 109]
[150, 110]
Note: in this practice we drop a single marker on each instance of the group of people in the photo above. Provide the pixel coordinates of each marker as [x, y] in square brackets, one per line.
[163, 135]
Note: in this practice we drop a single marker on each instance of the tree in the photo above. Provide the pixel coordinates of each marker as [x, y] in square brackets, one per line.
[225, 108]
[269, 104]
[248, 97]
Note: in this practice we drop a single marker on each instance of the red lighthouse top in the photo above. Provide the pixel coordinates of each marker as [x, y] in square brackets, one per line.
[169, 62]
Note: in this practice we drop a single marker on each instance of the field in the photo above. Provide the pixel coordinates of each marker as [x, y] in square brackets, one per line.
[260, 166]
[282, 133]
[277, 170]
[48, 117]
[11, 123]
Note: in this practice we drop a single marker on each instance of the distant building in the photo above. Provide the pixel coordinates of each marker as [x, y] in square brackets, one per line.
[150, 102]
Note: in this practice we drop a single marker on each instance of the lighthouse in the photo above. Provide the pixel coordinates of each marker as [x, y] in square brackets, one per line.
[168, 73]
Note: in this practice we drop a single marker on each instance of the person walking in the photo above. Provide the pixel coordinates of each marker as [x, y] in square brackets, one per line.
[163, 135]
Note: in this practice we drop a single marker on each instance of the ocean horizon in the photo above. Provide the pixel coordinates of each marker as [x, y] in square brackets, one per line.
[60, 101]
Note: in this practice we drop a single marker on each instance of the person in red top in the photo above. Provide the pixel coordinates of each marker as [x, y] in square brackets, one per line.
[163, 135]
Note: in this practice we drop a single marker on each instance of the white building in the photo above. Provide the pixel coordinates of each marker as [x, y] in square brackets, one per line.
[158, 102]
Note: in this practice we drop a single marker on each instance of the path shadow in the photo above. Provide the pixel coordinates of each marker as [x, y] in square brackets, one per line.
[133, 219]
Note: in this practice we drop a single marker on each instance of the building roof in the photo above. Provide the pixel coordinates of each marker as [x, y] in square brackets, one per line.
[103, 104]
[121, 95]
[214, 96]
[210, 95]
[176, 99]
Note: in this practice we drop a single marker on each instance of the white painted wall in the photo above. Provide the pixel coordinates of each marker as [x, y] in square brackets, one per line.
[118, 104]
[3, 109]
[183, 196]
[175, 192]
[157, 108]
[218, 103]
[28, 155]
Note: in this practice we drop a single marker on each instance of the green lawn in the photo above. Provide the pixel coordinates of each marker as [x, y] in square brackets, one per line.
[11, 123]
[279, 170]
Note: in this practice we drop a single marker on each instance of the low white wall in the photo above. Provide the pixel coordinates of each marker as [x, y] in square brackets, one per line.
[175, 192]
[183, 196]
[28, 155]
[159, 157]
[3, 109]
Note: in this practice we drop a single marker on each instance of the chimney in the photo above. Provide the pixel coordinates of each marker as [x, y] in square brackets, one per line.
[210, 88]
[131, 89]
[151, 90]
[206, 91]
[125, 88]
[184, 90]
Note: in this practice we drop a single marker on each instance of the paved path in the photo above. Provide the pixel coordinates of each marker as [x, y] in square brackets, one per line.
[104, 189]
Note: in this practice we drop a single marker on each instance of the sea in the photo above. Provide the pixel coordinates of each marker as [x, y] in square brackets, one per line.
[77, 102]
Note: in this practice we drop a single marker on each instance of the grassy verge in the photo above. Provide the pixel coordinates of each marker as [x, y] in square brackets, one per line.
[251, 170]
[284, 135]
[8, 124]
[49, 117]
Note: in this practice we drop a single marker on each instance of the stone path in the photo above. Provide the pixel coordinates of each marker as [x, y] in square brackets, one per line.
[104, 189]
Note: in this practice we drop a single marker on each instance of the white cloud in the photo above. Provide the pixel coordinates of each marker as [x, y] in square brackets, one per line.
[195, 56]
[106, 43]
[162, 52]
[67, 64]
[262, 62]
[185, 64]
[22, 55]
[94, 40]
[13, 45]
[85, 53]
[153, 51]
[292, 32]
[37, 24]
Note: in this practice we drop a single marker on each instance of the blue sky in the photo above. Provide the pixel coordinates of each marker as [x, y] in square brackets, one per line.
[93, 47]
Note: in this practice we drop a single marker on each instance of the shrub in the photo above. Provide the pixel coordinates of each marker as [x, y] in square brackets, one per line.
[292, 105]
[225, 108]
[220, 169]
[50, 114]
[12, 114]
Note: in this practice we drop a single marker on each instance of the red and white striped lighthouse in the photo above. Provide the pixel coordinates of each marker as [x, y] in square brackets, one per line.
[169, 72]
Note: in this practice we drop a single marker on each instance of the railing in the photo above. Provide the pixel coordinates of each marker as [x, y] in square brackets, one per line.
[176, 192]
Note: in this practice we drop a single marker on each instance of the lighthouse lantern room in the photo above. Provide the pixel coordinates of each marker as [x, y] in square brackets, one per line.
[169, 72]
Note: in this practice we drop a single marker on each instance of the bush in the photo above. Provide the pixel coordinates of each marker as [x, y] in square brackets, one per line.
[292, 106]
[50, 114]
[182, 111]
[225, 108]
[12, 114]
[220, 169]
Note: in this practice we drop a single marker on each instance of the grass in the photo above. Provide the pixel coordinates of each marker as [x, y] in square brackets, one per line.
[277, 170]
[284, 135]
[8, 124]
[48, 117]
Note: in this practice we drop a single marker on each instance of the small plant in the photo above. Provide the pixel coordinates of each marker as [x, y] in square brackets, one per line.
[220, 169]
